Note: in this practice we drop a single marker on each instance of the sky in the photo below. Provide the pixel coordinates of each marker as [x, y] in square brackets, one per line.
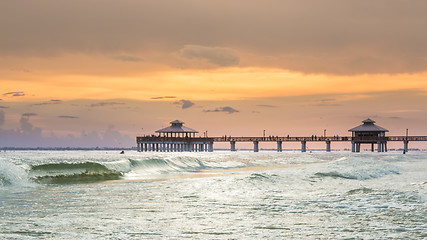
[99, 73]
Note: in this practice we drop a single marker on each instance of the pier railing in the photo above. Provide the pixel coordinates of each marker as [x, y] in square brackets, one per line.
[407, 138]
[173, 139]
[283, 139]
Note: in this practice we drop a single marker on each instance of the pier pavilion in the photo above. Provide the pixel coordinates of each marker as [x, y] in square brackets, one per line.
[175, 138]
[368, 133]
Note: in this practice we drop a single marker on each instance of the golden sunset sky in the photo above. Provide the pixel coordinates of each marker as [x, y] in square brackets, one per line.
[98, 73]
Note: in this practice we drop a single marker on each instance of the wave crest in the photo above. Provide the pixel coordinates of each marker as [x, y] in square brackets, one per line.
[66, 173]
[357, 169]
[11, 175]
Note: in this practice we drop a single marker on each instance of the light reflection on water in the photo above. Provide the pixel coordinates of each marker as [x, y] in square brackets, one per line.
[219, 196]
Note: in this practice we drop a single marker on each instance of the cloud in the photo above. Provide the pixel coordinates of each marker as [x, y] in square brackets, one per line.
[29, 114]
[103, 104]
[403, 111]
[1, 117]
[27, 127]
[185, 103]
[327, 102]
[222, 57]
[69, 117]
[331, 36]
[267, 106]
[14, 94]
[229, 110]
[165, 97]
[52, 101]
[3, 107]
[126, 58]
[20, 70]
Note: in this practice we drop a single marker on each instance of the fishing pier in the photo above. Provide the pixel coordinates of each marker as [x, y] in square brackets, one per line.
[178, 138]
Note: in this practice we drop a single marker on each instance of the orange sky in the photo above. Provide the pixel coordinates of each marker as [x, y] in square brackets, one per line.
[115, 68]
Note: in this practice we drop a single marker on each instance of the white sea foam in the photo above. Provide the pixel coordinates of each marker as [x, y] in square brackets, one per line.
[220, 195]
[12, 175]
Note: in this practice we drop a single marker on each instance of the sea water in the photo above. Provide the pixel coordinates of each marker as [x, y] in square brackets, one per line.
[219, 195]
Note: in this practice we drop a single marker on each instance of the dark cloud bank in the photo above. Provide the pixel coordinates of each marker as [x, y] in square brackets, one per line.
[331, 36]
[184, 103]
[165, 97]
[30, 136]
[14, 94]
[229, 110]
[103, 104]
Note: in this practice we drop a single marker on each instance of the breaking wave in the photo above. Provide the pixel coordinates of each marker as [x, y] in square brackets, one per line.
[357, 169]
[66, 173]
[179, 164]
[72, 170]
[12, 175]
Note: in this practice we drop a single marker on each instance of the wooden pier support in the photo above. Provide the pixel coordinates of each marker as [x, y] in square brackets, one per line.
[405, 146]
[256, 146]
[328, 146]
[303, 146]
[233, 146]
[279, 146]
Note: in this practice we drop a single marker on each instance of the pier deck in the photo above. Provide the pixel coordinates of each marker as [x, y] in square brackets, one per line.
[179, 144]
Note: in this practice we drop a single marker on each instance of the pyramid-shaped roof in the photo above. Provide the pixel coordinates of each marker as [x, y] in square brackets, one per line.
[176, 127]
[368, 126]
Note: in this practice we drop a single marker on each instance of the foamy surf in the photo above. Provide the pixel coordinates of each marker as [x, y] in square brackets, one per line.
[12, 175]
[264, 195]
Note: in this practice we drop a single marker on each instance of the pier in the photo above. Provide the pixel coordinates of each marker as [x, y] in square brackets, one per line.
[178, 138]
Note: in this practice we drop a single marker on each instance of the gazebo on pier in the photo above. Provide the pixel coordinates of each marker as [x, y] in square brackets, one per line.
[175, 138]
[368, 133]
[176, 129]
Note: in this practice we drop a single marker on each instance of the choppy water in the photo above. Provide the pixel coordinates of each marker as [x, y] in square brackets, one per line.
[220, 195]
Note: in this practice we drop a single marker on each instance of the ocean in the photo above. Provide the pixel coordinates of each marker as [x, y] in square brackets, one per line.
[212, 195]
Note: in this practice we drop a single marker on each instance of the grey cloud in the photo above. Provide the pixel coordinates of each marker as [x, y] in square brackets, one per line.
[53, 101]
[326, 102]
[68, 117]
[20, 70]
[3, 107]
[185, 103]
[103, 104]
[267, 106]
[126, 58]
[223, 57]
[14, 94]
[29, 114]
[330, 36]
[165, 97]
[27, 127]
[229, 110]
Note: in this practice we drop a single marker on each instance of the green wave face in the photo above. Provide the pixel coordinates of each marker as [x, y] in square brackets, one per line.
[70, 173]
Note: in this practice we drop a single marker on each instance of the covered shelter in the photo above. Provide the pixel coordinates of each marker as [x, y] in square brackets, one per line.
[368, 133]
[175, 138]
[176, 129]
